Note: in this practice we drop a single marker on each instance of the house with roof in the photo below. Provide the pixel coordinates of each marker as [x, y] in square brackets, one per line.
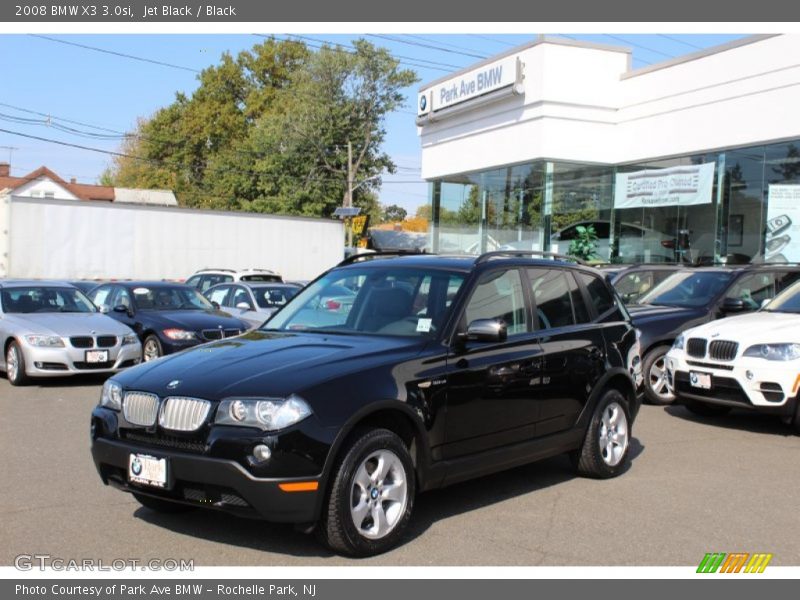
[44, 183]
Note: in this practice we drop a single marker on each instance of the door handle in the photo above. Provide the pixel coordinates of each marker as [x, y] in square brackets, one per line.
[531, 367]
[503, 371]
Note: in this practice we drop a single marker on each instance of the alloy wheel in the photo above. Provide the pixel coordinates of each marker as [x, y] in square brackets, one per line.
[151, 351]
[379, 494]
[658, 380]
[12, 363]
[613, 434]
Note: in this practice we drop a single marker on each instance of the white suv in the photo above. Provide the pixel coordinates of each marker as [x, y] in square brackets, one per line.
[750, 361]
[205, 278]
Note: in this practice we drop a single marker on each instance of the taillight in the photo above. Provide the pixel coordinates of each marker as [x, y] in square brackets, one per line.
[668, 244]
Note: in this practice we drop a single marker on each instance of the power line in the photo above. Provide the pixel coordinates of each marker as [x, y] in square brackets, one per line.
[642, 47]
[406, 60]
[489, 39]
[427, 39]
[165, 164]
[680, 41]
[113, 53]
[423, 45]
[50, 122]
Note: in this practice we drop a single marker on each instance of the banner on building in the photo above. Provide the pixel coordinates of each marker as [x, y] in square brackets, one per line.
[674, 186]
[782, 242]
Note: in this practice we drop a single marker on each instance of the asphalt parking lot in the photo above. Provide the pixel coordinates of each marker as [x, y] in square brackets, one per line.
[694, 486]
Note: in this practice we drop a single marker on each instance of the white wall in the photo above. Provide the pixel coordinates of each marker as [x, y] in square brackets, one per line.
[582, 104]
[65, 240]
[39, 187]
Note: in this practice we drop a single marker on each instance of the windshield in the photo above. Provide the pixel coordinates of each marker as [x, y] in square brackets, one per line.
[273, 296]
[41, 299]
[787, 301]
[382, 300]
[687, 288]
[169, 298]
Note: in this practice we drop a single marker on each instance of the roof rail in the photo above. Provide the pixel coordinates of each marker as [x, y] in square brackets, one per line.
[519, 253]
[367, 255]
[216, 269]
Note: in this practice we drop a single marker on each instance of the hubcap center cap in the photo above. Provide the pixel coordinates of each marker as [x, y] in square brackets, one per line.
[374, 493]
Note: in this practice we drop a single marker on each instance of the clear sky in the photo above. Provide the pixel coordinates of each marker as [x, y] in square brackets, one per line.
[93, 96]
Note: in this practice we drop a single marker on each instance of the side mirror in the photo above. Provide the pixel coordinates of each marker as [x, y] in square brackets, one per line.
[765, 301]
[104, 308]
[487, 330]
[215, 304]
[243, 306]
[733, 305]
[121, 308]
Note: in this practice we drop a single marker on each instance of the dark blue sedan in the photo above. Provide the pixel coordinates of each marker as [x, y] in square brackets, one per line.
[167, 317]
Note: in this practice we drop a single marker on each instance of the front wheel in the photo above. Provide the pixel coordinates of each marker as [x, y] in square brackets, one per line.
[151, 349]
[15, 365]
[604, 453]
[654, 367]
[371, 497]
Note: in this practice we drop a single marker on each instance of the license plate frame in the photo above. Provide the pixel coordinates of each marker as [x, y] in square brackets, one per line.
[94, 357]
[700, 380]
[149, 470]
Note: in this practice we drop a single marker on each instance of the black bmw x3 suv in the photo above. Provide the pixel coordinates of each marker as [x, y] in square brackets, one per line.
[333, 416]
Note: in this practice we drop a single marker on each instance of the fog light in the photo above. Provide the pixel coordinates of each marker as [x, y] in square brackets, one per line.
[38, 365]
[748, 374]
[262, 453]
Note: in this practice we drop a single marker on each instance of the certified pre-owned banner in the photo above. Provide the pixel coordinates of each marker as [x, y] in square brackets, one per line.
[674, 186]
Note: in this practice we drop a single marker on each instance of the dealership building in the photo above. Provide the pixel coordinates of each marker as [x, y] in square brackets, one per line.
[696, 159]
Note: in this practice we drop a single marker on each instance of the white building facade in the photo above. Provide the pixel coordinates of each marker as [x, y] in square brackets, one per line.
[692, 160]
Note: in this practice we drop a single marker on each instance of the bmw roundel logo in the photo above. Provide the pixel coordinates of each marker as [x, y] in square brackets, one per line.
[136, 466]
[173, 384]
[423, 103]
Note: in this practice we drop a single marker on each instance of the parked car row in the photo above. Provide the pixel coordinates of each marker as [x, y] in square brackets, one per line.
[388, 376]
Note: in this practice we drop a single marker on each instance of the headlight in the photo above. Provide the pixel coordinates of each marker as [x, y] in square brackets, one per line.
[774, 351]
[111, 396]
[269, 414]
[46, 341]
[129, 339]
[678, 343]
[180, 334]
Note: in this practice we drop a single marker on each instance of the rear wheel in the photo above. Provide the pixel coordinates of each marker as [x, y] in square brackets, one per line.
[151, 349]
[604, 453]
[655, 376]
[796, 419]
[15, 365]
[704, 409]
[371, 497]
[162, 506]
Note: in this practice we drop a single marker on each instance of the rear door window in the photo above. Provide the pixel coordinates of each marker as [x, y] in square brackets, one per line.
[557, 299]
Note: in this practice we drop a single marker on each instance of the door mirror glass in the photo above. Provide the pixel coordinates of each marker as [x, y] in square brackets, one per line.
[487, 330]
[215, 304]
[120, 308]
[243, 306]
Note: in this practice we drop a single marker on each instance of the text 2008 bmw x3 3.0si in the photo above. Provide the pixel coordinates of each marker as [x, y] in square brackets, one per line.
[333, 416]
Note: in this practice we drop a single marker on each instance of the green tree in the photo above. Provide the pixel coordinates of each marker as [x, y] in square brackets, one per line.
[267, 131]
[394, 213]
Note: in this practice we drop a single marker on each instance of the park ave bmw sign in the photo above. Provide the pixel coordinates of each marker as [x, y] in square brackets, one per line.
[476, 82]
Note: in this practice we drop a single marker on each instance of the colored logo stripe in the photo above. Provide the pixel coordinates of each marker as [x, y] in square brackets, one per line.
[734, 563]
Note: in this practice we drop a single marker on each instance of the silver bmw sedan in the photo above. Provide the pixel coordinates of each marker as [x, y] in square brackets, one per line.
[50, 329]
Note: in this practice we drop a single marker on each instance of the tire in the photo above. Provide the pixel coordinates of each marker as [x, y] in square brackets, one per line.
[796, 420]
[151, 348]
[161, 506]
[655, 376]
[15, 365]
[604, 453]
[703, 409]
[372, 458]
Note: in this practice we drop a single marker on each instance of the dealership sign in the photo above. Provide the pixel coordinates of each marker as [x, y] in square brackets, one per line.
[476, 82]
[674, 186]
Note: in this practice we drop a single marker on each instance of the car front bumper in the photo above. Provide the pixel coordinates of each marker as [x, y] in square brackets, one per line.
[211, 483]
[753, 383]
[58, 362]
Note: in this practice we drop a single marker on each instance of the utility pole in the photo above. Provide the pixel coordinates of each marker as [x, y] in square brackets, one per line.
[349, 200]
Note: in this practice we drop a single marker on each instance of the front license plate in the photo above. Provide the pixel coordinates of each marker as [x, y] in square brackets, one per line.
[148, 470]
[700, 380]
[96, 356]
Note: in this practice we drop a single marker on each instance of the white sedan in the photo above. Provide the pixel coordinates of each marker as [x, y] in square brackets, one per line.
[750, 361]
